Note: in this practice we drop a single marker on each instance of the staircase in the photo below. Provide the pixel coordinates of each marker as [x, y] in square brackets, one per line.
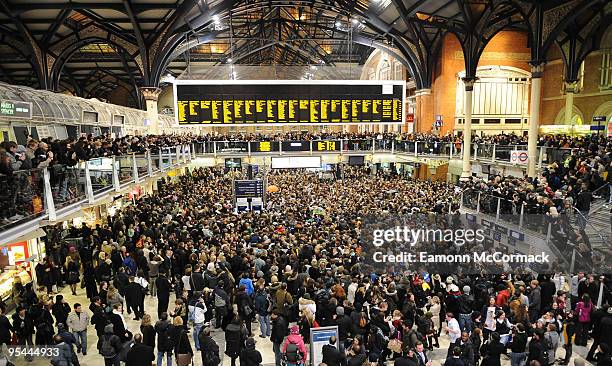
[598, 226]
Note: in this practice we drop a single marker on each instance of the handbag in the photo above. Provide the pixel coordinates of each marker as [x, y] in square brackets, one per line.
[182, 359]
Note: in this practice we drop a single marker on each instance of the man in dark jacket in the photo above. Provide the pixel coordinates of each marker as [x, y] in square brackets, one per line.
[60, 310]
[332, 355]
[280, 329]
[163, 288]
[140, 354]
[467, 349]
[23, 327]
[109, 346]
[536, 348]
[344, 325]
[455, 359]
[197, 279]
[249, 356]
[208, 348]
[134, 297]
[165, 341]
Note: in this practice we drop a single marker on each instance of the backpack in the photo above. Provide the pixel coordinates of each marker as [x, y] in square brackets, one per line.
[107, 350]
[219, 301]
[168, 339]
[292, 353]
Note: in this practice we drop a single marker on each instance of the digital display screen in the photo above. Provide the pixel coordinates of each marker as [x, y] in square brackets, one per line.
[296, 103]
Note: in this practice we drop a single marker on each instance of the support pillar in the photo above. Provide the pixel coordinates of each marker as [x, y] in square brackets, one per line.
[534, 111]
[570, 89]
[466, 171]
[424, 113]
[151, 95]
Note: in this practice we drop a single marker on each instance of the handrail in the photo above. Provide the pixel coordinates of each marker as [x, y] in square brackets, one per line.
[600, 188]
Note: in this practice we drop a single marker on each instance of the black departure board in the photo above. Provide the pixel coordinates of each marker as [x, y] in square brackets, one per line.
[248, 188]
[234, 103]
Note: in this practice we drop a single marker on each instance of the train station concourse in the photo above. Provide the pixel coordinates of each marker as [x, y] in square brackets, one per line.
[305, 182]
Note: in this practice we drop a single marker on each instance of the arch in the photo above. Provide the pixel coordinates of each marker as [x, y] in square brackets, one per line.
[577, 116]
[502, 68]
[66, 54]
[605, 109]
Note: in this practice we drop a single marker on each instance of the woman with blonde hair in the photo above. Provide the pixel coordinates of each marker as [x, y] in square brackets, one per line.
[113, 297]
[434, 309]
[147, 330]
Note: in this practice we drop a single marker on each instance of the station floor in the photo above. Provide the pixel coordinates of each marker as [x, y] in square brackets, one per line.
[263, 345]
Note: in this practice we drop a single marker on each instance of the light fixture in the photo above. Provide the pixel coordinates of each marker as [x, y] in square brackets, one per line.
[355, 21]
[338, 24]
[313, 67]
[215, 18]
[229, 60]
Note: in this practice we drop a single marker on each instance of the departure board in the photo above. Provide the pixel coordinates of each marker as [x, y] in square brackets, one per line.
[289, 102]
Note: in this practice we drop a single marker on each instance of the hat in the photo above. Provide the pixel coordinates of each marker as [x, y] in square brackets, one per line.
[449, 279]
[339, 310]
[295, 330]
[306, 296]
[466, 289]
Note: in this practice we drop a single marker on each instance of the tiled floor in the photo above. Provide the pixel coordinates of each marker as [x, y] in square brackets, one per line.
[263, 345]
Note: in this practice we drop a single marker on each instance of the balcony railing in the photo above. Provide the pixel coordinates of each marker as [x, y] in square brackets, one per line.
[50, 192]
[26, 195]
[488, 153]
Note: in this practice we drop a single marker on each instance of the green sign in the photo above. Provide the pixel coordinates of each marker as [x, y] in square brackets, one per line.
[10, 108]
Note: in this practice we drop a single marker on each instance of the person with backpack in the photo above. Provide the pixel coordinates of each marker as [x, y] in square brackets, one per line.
[280, 329]
[294, 349]
[109, 346]
[221, 300]
[245, 307]
[583, 310]
[263, 304]
[537, 350]
[551, 342]
[165, 339]
[249, 356]
[208, 348]
[235, 335]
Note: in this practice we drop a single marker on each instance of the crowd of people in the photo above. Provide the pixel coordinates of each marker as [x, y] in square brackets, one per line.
[48, 151]
[295, 266]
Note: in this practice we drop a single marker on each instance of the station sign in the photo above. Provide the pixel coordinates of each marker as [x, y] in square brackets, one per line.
[15, 109]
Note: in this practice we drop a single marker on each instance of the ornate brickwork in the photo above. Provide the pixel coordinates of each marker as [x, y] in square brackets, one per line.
[553, 16]
[93, 31]
[131, 48]
[150, 93]
[60, 46]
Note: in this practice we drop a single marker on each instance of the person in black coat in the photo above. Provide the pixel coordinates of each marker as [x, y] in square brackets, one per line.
[98, 317]
[332, 355]
[60, 310]
[140, 354]
[467, 349]
[410, 359]
[5, 329]
[23, 327]
[249, 356]
[245, 308]
[163, 288]
[134, 296]
[116, 319]
[492, 351]
[536, 348]
[209, 349]
[182, 345]
[455, 359]
[89, 274]
[235, 335]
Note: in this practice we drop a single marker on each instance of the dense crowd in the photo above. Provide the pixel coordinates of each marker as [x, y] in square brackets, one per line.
[293, 267]
[49, 151]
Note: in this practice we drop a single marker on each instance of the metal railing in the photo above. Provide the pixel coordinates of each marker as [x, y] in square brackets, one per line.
[29, 194]
[479, 152]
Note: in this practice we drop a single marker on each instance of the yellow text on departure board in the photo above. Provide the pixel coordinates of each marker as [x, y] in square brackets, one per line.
[193, 104]
[182, 107]
[326, 145]
[214, 110]
[265, 146]
[293, 105]
[282, 110]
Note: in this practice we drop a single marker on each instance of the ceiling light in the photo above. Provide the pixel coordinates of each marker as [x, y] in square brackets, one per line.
[355, 21]
[215, 18]
[338, 24]
[229, 60]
